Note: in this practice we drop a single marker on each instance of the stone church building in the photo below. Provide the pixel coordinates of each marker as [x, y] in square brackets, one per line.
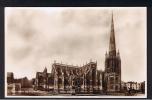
[112, 77]
[80, 79]
[86, 78]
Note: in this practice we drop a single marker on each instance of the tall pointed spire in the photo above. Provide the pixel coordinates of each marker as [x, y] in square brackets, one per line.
[112, 44]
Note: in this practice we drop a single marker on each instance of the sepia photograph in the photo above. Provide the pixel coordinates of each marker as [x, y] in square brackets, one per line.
[76, 52]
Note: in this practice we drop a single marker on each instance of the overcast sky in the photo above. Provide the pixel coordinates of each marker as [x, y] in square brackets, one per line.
[35, 37]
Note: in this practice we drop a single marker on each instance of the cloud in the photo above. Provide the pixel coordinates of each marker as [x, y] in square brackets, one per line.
[35, 38]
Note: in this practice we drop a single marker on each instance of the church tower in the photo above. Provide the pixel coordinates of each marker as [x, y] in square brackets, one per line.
[112, 75]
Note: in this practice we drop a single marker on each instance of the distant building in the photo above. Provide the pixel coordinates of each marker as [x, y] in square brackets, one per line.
[138, 87]
[10, 77]
[25, 83]
[13, 88]
[16, 85]
[143, 87]
[123, 86]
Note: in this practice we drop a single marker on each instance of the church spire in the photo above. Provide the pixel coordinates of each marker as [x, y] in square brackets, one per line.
[112, 44]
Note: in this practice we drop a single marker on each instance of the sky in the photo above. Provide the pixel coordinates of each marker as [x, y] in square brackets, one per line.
[36, 37]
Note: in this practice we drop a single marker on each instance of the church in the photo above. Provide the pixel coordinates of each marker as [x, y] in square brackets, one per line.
[81, 79]
[112, 76]
[84, 79]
